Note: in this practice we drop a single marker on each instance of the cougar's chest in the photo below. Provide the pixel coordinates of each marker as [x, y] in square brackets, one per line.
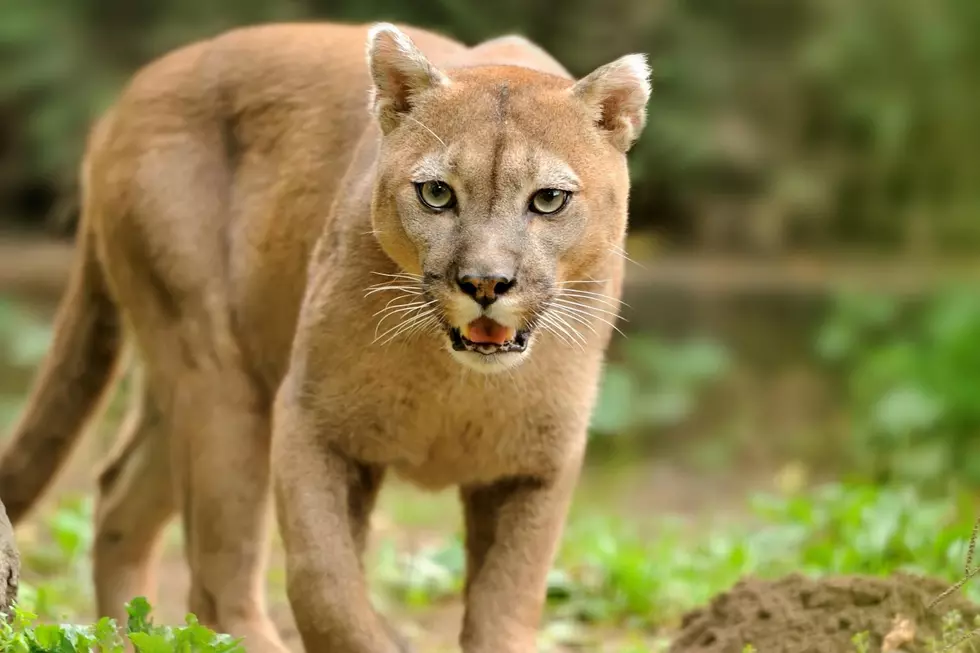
[441, 433]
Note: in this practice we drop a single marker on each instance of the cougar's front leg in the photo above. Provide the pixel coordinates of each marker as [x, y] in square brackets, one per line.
[323, 503]
[512, 532]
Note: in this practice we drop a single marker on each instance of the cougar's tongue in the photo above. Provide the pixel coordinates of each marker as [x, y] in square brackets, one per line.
[485, 331]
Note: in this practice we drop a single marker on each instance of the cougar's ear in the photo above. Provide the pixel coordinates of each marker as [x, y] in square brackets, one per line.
[399, 73]
[617, 94]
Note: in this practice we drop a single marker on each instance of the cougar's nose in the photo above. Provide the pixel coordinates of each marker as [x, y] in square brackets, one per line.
[485, 289]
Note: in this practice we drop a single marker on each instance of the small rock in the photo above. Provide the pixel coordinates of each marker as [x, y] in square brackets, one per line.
[9, 563]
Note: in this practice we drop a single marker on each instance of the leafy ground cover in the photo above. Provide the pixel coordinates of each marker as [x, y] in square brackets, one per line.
[617, 582]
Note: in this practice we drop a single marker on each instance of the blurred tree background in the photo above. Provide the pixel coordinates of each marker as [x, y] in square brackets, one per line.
[794, 150]
[775, 126]
[803, 284]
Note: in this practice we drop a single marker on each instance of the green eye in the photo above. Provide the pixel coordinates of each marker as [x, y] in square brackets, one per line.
[436, 194]
[549, 200]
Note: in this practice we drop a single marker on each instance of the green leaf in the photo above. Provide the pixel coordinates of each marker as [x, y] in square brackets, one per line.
[50, 638]
[151, 642]
[106, 634]
[138, 611]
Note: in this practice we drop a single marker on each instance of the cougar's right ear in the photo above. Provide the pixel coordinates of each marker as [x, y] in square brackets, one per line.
[399, 72]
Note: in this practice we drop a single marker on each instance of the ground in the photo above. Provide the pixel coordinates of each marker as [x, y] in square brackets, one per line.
[649, 544]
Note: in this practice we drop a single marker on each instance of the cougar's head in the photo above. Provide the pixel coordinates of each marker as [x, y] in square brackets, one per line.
[498, 189]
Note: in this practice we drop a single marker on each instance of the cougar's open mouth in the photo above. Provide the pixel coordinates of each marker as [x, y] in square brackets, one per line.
[485, 336]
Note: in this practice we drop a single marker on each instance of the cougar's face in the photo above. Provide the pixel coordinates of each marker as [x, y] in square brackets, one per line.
[497, 193]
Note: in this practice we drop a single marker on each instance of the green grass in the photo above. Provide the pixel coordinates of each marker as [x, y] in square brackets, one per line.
[611, 575]
[615, 574]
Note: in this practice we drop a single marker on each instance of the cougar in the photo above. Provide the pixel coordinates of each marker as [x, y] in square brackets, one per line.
[331, 267]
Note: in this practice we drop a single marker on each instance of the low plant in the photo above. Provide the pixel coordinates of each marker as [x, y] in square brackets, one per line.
[21, 634]
[862, 642]
[56, 559]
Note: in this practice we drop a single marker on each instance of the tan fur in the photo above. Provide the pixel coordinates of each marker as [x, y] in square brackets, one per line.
[250, 222]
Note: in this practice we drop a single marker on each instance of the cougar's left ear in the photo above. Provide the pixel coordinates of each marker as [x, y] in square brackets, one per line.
[617, 94]
[399, 72]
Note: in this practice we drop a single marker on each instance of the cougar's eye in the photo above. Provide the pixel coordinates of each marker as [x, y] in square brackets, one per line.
[436, 194]
[549, 200]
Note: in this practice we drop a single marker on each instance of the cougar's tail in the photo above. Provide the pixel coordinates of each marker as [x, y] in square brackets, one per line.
[68, 387]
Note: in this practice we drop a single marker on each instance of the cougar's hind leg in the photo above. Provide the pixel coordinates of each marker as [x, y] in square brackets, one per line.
[135, 502]
[168, 257]
[224, 489]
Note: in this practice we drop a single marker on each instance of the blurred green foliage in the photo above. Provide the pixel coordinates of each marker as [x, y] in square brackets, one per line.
[24, 339]
[56, 559]
[913, 383]
[618, 572]
[773, 123]
[654, 384]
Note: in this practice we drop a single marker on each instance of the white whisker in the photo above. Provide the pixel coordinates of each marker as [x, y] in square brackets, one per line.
[539, 322]
[567, 310]
[582, 320]
[399, 275]
[401, 326]
[612, 302]
[396, 282]
[434, 135]
[563, 326]
[409, 289]
[550, 329]
[406, 327]
[397, 311]
[409, 296]
[422, 327]
[400, 308]
[568, 341]
[619, 251]
[561, 318]
[586, 307]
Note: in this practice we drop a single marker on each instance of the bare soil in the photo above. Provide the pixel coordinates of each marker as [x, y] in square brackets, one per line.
[796, 614]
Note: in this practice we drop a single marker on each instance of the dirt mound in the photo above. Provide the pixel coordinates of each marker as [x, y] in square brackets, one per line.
[796, 614]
